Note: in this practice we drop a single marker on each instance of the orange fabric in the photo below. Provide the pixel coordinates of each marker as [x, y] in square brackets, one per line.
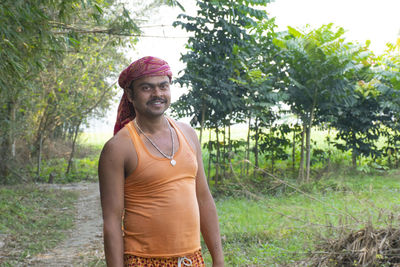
[161, 211]
[136, 261]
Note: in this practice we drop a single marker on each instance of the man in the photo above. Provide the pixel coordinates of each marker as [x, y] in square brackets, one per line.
[152, 179]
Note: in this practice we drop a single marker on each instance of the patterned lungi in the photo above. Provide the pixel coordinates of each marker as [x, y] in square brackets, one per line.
[194, 260]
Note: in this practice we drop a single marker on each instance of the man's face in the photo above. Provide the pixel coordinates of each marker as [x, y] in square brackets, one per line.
[151, 96]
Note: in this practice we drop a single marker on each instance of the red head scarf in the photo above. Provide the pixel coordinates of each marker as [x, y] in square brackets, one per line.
[144, 67]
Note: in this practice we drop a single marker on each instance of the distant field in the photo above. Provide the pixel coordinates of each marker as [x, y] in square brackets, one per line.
[238, 131]
[94, 139]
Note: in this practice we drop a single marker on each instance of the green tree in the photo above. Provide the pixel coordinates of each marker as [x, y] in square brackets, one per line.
[275, 143]
[42, 47]
[358, 122]
[219, 30]
[388, 73]
[260, 76]
[317, 62]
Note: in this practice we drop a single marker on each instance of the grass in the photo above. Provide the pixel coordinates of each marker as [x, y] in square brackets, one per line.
[281, 227]
[83, 169]
[33, 220]
[84, 164]
[280, 230]
[95, 140]
[275, 228]
[260, 230]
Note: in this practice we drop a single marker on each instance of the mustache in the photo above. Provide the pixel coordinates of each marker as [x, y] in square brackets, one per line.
[156, 99]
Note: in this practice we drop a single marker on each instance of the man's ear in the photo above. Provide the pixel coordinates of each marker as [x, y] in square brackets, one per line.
[129, 93]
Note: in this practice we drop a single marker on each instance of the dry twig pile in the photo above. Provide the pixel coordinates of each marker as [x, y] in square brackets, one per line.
[365, 247]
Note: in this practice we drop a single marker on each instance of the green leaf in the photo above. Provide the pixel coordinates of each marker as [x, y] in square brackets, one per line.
[98, 8]
[292, 31]
[279, 43]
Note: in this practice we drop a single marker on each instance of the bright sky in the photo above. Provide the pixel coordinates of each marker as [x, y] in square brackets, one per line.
[378, 21]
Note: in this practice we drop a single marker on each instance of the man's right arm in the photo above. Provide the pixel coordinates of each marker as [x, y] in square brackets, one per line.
[111, 179]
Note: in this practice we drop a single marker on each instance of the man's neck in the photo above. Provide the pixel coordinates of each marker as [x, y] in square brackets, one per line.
[152, 125]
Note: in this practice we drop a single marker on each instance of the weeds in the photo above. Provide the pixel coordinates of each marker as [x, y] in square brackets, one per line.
[266, 219]
[54, 171]
[288, 226]
[32, 220]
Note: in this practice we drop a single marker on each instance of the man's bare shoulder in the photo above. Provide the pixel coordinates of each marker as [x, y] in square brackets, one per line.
[187, 130]
[191, 135]
[117, 145]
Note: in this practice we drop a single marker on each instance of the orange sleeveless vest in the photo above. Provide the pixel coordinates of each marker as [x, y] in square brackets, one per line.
[161, 216]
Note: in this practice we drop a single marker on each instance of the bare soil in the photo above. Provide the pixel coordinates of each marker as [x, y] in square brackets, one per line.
[84, 245]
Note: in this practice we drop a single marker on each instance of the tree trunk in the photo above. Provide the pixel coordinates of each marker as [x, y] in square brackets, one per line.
[217, 159]
[51, 178]
[256, 148]
[71, 156]
[3, 160]
[39, 132]
[301, 164]
[308, 152]
[308, 138]
[354, 159]
[229, 138]
[6, 142]
[12, 130]
[230, 147]
[294, 151]
[272, 163]
[203, 112]
[329, 148]
[39, 159]
[353, 152]
[224, 153]
[248, 147]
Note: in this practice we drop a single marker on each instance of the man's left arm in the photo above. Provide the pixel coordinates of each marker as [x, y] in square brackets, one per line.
[209, 225]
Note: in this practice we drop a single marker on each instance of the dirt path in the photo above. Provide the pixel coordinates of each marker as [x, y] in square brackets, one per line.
[84, 246]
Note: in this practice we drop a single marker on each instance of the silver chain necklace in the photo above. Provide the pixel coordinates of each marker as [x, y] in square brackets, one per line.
[173, 162]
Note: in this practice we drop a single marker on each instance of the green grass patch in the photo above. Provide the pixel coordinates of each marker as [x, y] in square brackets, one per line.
[280, 230]
[94, 140]
[33, 220]
[82, 169]
[84, 166]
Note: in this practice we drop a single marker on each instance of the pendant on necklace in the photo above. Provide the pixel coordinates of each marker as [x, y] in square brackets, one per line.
[173, 162]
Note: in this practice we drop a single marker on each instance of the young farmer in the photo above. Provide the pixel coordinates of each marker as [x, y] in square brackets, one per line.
[152, 179]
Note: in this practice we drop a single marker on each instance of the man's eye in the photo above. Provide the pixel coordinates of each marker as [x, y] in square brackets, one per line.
[146, 88]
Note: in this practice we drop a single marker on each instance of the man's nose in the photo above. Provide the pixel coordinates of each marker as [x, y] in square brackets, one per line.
[157, 91]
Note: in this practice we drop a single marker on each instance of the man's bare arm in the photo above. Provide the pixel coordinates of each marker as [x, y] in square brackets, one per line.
[111, 178]
[208, 213]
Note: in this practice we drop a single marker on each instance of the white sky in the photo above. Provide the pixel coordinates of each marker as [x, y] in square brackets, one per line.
[378, 21]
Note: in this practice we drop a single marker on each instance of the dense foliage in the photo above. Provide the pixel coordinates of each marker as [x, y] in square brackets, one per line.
[219, 96]
[58, 62]
[283, 85]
